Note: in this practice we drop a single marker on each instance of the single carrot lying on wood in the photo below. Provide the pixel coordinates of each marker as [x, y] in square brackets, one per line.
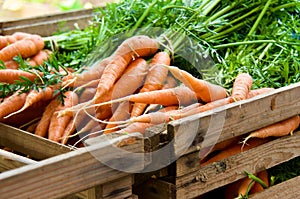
[241, 87]
[154, 79]
[26, 47]
[43, 125]
[12, 103]
[35, 96]
[278, 129]
[136, 46]
[58, 124]
[234, 149]
[10, 75]
[204, 90]
[258, 91]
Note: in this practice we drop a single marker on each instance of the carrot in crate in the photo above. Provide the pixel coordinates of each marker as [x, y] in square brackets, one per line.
[241, 86]
[26, 47]
[12, 103]
[58, 124]
[258, 91]
[6, 40]
[204, 90]
[43, 125]
[135, 46]
[34, 96]
[154, 79]
[278, 129]
[11, 75]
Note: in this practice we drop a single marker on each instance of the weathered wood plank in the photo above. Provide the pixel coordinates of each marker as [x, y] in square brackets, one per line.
[287, 190]
[223, 172]
[30, 144]
[48, 24]
[120, 188]
[10, 160]
[234, 119]
[64, 174]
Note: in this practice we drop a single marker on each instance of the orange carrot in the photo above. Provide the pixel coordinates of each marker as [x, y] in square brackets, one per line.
[43, 125]
[10, 75]
[201, 109]
[12, 103]
[92, 73]
[278, 129]
[258, 91]
[130, 81]
[35, 96]
[241, 87]
[11, 64]
[234, 149]
[40, 57]
[264, 176]
[154, 79]
[180, 95]
[136, 46]
[58, 124]
[9, 39]
[204, 90]
[133, 128]
[26, 47]
[87, 94]
[121, 113]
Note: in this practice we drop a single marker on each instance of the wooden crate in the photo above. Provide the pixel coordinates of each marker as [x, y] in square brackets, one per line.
[185, 178]
[47, 25]
[57, 171]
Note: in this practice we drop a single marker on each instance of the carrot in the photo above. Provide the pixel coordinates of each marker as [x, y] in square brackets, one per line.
[201, 109]
[233, 150]
[74, 123]
[132, 128]
[26, 47]
[130, 81]
[121, 113]
[92, 73]
[58, 124]
[204, 90]
[9, 39]
[154, 79]
[10, 75]
[12, 103]
[136, 46]
[87, 94]
[40, 57]
[278, 129]
[173, 96]
[258, 91]
[43, 125]
[170, 82]
[264, 176]
[35, 96]
[241, 87]
[238, 188]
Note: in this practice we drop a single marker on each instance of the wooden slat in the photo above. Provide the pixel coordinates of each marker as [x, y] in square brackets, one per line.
[64, 174]
[223, 172]
[239, 118]
[49, 24]
[10, 160]
[287, 190]
[30, 144]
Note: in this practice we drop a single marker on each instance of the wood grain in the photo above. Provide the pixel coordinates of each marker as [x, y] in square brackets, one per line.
[64, 174]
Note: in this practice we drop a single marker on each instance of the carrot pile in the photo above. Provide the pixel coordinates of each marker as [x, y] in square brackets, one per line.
[134, 88]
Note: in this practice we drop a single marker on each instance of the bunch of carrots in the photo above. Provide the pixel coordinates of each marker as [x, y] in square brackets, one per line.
[134, 88]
